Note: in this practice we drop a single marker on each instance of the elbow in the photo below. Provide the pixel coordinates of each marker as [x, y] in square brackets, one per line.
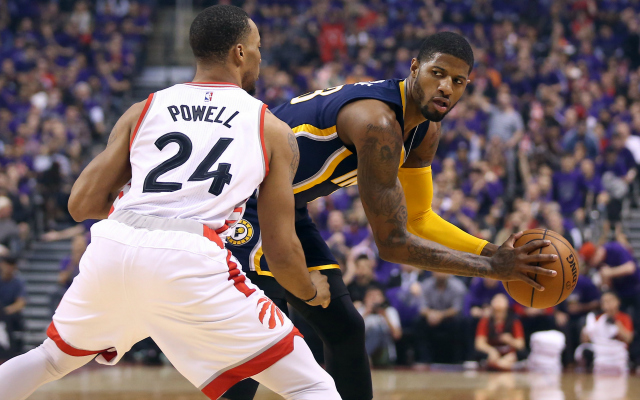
[79, 209]
[389, 253]
[391, 249]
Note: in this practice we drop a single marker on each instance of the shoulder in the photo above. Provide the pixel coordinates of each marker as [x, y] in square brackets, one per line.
[276, 132]
[274, 124]
[368, 111]
[624, 318]
[134, 112]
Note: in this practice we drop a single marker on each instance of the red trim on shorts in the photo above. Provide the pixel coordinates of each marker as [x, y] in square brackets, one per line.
[66, 348]
[212, 235]
[275, 353]
[264, 147]
[140, 119]
[222, 228]
[238, 277]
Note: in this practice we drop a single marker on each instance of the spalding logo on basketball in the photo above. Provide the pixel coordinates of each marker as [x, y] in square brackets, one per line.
[269, 314]
[242, 234]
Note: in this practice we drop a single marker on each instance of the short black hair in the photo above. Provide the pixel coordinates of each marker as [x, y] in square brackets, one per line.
[215, 30]
[446, 43]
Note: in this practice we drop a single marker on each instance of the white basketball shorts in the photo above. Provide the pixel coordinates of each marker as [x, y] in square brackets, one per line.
[181, 289]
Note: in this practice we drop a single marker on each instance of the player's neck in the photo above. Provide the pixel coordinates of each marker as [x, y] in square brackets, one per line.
[217, 74]
[412, 114]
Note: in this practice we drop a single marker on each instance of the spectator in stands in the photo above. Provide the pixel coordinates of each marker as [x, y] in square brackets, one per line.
[618, 269]
[362, 276]
[69, 269]
[382, 327]
[10, 242]
[505, 130]
[334, 235]
[478, 298]
[610, 306]
[567, 188]
[439, 333]
[581, 134]
[500, 336]
[595, 197]
[611, 324]
[13, 298]
[570, 314]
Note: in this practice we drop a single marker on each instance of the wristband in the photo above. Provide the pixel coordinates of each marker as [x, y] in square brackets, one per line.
[313, 298]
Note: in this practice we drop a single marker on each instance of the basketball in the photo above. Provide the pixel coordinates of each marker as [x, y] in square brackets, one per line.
[556, 288]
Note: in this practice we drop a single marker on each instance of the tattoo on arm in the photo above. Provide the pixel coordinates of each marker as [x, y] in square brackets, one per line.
[295, 160]
[383, 198]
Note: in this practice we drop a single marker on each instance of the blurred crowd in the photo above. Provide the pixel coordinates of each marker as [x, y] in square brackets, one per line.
[66, 69]
[547, 135]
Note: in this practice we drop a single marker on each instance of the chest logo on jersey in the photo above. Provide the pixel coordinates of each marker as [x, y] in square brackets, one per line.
[242, 234]
[203, 113]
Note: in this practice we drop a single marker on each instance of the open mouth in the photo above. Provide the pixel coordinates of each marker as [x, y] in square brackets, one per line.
[441, 104]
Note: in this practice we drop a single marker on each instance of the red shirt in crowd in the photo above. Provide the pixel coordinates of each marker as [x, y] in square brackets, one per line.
[492, 331]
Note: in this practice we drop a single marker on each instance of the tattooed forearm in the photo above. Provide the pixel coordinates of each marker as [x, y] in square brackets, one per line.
[383, 200]
[293, 144]
[489, 250]
[435, 257]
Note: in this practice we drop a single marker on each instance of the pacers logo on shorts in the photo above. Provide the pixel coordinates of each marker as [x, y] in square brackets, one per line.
[269, 314]
[242, 234]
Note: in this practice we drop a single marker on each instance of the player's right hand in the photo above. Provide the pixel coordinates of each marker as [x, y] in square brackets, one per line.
[510, 264]
[323, 298]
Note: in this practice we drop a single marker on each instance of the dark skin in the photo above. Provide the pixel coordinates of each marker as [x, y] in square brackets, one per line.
[433, 88]
[100, 182]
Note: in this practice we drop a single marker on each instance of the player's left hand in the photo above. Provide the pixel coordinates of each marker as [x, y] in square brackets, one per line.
[323, 297]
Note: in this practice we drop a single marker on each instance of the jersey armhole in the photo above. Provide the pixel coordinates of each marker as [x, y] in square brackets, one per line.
[147, 104]
[263, 109]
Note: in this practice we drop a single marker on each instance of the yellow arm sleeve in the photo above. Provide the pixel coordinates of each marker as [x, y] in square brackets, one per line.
[422, 221]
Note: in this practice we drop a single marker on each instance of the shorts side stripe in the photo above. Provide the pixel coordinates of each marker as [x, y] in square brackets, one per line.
[220, 384]
[66, 348]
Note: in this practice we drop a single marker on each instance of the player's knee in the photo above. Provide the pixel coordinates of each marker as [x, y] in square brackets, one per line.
[324, 389]
[58, 363]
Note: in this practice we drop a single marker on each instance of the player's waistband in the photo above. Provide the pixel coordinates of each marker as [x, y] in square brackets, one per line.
[154, 223]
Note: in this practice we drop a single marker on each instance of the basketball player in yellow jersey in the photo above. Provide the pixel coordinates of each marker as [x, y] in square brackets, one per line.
[383, 136]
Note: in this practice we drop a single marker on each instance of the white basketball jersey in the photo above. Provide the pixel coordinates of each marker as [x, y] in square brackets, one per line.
[197, 152]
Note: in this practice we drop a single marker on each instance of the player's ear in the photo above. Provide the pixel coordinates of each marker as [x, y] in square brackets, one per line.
[415, 66]
[238, 53]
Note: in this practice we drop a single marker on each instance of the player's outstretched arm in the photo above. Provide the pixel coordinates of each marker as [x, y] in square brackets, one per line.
[416, 179]
[276, 214]
[373, 129]
[98, 185]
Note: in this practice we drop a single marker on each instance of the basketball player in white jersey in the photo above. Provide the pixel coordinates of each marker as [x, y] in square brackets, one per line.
[157, 267]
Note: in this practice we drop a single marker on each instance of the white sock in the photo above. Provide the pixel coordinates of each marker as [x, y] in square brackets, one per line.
[22, 375]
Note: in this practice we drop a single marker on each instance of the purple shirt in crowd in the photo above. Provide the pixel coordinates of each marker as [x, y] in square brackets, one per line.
[480, 295]
[584, 292]
[617, 255]
[567, 191]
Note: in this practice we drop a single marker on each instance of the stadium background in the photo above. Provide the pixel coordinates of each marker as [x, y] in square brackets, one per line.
[547, 135]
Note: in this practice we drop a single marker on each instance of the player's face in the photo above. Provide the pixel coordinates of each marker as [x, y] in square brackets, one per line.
[438, 84]
[251, 50]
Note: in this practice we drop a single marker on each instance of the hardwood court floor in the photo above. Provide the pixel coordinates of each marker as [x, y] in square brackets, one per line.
[164, 383]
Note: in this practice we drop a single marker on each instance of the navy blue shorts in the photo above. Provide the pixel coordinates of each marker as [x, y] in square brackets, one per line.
[246, 245]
